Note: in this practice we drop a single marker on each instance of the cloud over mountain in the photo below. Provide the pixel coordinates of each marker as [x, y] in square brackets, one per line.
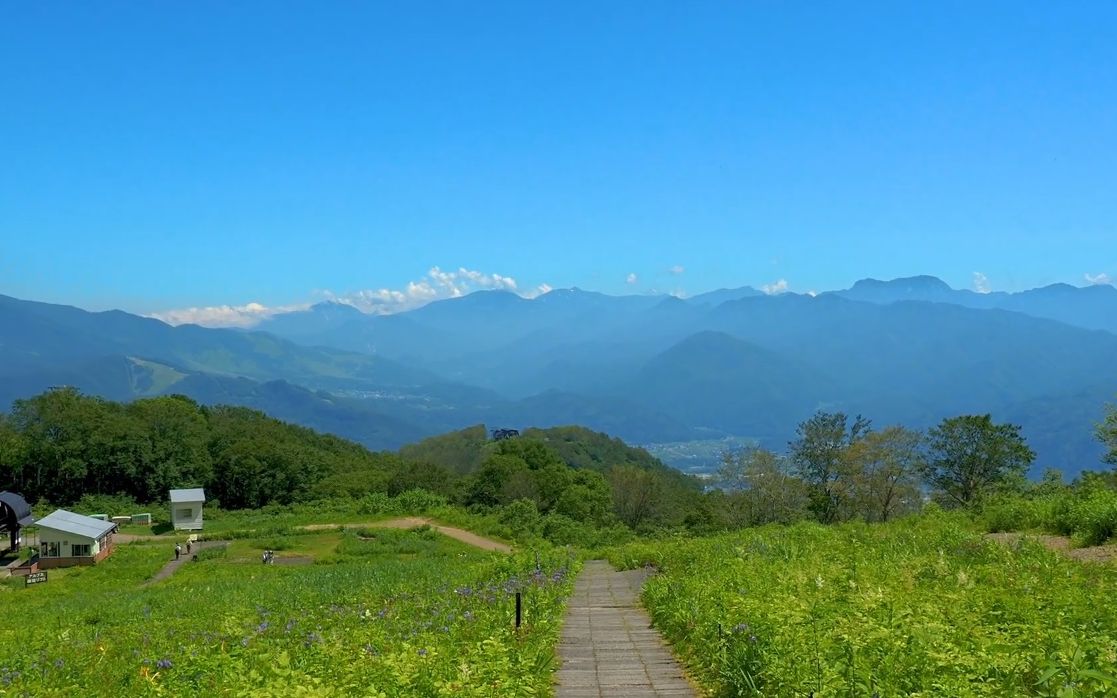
[437, 284]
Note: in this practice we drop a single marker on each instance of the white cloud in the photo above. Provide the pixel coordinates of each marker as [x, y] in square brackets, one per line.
[631, 279]
[436, 285]
[1098, 279]
[981, 282]
[776, 288]
[538, 291]
[677, 269]
[245, 315]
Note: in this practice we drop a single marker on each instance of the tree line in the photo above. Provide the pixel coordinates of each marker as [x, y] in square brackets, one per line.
[839, 468]
[62, 446]
[561, 482]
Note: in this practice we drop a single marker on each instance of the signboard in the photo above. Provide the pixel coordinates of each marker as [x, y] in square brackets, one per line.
[35, 578]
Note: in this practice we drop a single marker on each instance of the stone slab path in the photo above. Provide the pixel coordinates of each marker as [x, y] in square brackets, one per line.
[608, 647]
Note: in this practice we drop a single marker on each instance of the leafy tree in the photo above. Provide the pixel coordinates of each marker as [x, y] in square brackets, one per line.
[818, 453]
[969, 455]
[761, 490]
[880, 474]
[587, 499]
[1107, 434]
[638, 497]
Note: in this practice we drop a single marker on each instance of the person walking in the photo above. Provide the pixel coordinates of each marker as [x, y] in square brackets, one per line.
[178, 550]
[188, 547]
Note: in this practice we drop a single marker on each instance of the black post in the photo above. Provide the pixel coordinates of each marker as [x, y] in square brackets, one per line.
[519, 610]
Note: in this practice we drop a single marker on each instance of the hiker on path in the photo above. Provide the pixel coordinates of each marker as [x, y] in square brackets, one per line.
[178, 550]
[187, 547]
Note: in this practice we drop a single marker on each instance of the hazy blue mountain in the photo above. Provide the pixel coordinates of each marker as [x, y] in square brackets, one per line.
[723, 384]
[723, 295]
[1090, 307]
[647, 368]
[43, 337]
[319, 319]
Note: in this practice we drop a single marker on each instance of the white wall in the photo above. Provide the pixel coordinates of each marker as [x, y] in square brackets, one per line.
[193, 522]
[66, 541]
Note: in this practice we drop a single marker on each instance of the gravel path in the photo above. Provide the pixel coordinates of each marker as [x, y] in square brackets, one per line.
[608, 646]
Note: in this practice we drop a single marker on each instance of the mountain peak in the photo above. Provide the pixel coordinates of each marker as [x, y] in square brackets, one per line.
[922, 282]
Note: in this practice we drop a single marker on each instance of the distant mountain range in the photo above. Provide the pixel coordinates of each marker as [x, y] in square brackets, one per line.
[646, 368]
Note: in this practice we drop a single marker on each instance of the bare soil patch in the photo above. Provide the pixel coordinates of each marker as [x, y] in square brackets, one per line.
[1060, 544]
[405, 522]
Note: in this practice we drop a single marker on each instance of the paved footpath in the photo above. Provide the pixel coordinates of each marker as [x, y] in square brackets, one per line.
[608, 647]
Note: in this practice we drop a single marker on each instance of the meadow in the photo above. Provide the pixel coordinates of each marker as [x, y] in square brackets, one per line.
[386, 613]
[925, 606]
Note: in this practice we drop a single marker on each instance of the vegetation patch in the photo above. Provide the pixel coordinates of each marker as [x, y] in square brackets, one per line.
[924, 607]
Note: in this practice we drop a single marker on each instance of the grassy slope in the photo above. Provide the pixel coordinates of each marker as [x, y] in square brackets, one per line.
[923, 607]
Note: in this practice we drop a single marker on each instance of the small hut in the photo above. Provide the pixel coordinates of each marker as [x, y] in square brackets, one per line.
[15, 513]
[67, 539]
[186, 509]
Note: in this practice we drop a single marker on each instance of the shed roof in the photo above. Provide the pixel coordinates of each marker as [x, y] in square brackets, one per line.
[69, 522]
[14, 510]
[195, 495]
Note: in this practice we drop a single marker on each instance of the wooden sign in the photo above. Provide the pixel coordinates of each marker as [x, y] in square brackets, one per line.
[35, 578]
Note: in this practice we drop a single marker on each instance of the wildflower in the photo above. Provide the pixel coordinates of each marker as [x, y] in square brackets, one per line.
[311, 638]
[740, 627]
[422, 651]
[290, 625]
[262, 627]
[163, 664]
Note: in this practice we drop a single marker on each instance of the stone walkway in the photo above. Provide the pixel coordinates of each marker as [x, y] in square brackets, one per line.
[608, 647]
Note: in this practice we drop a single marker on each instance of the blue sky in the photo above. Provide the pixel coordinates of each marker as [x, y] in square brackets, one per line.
[157, 156]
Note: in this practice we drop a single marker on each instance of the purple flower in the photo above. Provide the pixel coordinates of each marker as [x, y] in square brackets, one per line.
[163, 664]
[422, 652]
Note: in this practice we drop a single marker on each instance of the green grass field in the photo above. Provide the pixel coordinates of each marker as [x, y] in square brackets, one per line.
[393, 613]
[921, 607]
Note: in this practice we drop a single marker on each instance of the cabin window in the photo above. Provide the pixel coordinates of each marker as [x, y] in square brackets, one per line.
[50, 549]
[81, 550]
[185, 513]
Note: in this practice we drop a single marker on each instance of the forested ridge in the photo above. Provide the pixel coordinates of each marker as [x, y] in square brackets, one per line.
[567, 484]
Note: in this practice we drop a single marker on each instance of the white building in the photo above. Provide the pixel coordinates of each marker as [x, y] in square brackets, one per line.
[186, 509]
[67, 539]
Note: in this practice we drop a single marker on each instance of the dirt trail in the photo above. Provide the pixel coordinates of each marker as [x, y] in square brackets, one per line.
[467, 537]
[1061, 544]
[172, 566]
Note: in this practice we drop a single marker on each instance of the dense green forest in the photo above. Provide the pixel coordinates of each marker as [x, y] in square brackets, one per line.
[567, 484]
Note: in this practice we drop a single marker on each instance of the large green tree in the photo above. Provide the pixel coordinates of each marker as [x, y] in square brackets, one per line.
[968, 456]
[817, 455]
[880, 474]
